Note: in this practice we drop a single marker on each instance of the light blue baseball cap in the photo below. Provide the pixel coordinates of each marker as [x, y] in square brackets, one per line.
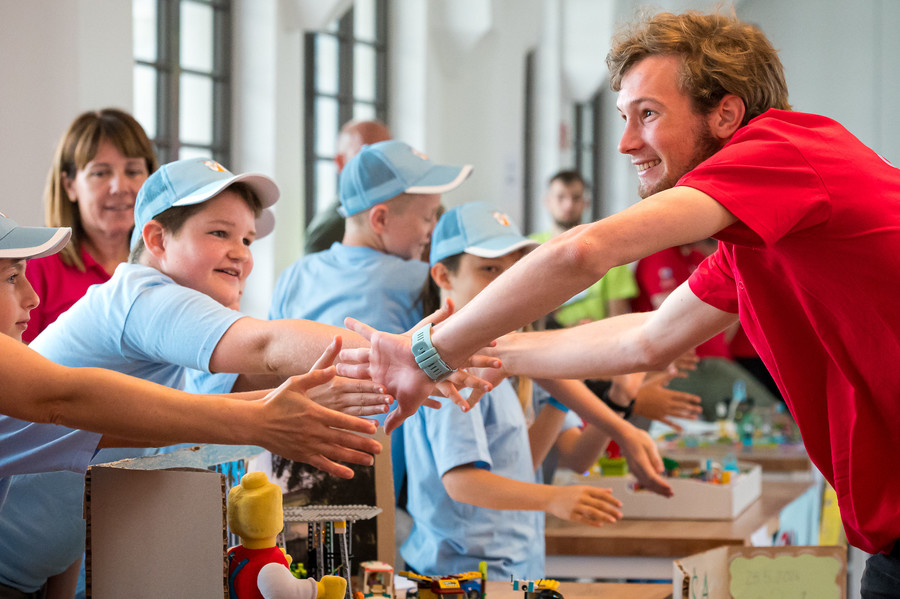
[195, 180]
[386, 169]
[476, 228]
[23, 243]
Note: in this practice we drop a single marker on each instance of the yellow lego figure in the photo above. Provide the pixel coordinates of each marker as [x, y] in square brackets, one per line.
[258, 568]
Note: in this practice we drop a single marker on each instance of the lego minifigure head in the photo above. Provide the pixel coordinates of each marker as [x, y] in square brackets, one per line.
[254, 511]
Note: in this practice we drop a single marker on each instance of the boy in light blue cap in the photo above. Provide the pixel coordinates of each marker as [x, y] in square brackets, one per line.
[475, 493]
[389, 195]
[164, 312]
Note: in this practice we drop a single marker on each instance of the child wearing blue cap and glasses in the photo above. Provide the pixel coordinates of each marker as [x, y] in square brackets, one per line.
[164, 313]
[474, 491]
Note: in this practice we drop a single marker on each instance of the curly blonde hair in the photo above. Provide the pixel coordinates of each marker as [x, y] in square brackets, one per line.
[719, 55]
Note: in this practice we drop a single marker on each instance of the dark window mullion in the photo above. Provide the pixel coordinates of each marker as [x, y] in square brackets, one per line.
[222, 40]
[345, 67]
[309, 127]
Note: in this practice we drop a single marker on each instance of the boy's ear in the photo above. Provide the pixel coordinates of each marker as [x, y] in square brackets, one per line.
[154, 238]
[441, 276]
[378, 215]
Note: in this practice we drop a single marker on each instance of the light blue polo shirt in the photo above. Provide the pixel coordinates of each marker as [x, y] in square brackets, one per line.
[449, 536]
[141, 323]
[379, 289]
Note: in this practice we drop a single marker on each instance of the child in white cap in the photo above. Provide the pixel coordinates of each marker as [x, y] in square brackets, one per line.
[474, 493]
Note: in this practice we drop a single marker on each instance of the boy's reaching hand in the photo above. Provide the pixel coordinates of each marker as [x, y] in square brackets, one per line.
[359, 397]
[300, 429]
[586, 504]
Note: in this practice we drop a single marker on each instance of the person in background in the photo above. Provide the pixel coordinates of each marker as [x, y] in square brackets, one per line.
[100, 164]
[658, 275]
[327, 227]
[566, 201]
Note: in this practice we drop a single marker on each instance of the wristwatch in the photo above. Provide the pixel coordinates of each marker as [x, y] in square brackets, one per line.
[427, 357]
[625, 411]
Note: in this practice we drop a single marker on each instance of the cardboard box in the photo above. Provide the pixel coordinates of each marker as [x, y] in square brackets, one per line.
[156, 525]
[693, 499]
[762, 573]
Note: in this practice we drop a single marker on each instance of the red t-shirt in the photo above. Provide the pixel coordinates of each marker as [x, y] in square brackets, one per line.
[59, 286]
[662, 272]
[809, 268]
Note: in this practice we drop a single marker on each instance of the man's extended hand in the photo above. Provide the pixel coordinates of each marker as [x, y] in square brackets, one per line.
[299, 429]
[389, 361]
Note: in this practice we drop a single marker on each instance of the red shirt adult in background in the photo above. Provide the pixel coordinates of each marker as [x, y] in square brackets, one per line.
[100, 163]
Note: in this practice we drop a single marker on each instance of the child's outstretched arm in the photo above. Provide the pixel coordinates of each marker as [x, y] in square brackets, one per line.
[639, 449]
[104, 401]
[578, 503]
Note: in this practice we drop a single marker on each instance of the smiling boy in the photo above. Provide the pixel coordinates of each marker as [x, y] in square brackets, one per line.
[158, 316]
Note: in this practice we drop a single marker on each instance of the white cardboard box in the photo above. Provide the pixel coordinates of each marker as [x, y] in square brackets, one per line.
[693, 499]
[770, 572]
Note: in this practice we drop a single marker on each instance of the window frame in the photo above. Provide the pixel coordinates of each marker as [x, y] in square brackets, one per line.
[345, 96]
[168, 76]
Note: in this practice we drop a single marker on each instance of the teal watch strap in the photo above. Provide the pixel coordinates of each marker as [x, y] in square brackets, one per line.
[427, 357]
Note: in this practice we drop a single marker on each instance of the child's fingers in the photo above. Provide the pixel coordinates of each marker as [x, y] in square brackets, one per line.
[448, 390]
[314, 378]
[328, 356]
[359, 327]
[353, 371]
[483, 361]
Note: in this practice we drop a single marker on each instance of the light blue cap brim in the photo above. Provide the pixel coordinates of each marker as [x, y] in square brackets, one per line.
[32, 242]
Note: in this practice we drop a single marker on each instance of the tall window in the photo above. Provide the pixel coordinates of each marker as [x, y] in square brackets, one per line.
[587, 150]
[345, 79]
[182, 76]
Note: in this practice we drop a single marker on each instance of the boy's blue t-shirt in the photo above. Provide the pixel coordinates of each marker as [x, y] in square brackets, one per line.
[42, 447]
[449, 536]
[141, 323]
[379, 289]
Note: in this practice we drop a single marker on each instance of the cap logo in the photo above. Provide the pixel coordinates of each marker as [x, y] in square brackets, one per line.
[214, 166]
[419, 154]
[501, 218]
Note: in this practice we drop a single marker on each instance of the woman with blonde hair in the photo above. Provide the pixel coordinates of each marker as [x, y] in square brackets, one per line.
[100, 163]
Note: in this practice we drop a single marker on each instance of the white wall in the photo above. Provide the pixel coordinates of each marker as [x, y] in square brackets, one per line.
[58, 60]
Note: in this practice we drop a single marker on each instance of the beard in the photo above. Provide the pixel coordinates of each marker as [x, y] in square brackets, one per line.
[705, 145]
[568, 224]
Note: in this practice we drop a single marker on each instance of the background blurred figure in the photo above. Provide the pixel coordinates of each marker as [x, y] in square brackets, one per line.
[328, 226]
[100, 163]
[610, 296]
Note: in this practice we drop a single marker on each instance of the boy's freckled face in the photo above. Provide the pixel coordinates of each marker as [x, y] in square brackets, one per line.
[474, 274]
[409, 227]
[211, 252]
[17, 298]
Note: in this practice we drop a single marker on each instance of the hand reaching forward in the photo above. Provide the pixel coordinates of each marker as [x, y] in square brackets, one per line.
[657, 402]
[586, 504]
[643, 459]
[358, 397]
[389, 361]
[302, 430]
